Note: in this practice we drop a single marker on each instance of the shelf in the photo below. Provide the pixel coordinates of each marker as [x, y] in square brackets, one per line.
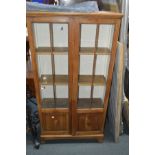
[64, 50]
[60, 103]
[84, 103]
[86, 80]
[90, 51]
[56, 50]
[47, 79]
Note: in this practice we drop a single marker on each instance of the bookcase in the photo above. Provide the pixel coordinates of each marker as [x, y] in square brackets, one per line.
[73, 56]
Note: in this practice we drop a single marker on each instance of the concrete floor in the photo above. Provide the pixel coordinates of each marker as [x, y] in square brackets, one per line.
[81, 147]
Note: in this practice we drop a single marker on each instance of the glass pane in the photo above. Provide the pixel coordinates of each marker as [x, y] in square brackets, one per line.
[86, 64]
[62, 91]
[51, 40]
[60, 32]
[99, 92]
[102, 65]
[44, 65]
[61, 64]
[105, 35]
[42, 35]
[84, 91]
[85, 100]
[95, 51]
[88, 35]
[46, 91]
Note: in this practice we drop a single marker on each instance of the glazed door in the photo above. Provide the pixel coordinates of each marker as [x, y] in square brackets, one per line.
[53, 76]
[94, 54]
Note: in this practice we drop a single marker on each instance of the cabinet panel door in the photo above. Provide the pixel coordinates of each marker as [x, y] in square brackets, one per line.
[55, 121]
[90, 122]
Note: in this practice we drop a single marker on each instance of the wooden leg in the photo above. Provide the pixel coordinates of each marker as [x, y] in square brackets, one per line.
[100, 140]
[42, 141]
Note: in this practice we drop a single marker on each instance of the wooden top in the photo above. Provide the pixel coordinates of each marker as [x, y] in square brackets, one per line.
[105, 14]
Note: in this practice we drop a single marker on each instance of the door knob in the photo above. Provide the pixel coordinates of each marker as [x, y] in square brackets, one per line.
[52, 117]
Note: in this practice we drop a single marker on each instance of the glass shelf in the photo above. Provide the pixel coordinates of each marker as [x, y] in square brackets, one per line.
[84, 103]
[47, 79]
[64, 50]
[57, 103]
[84, 80]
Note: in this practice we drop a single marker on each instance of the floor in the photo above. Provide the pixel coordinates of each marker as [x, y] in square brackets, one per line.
[81, 147]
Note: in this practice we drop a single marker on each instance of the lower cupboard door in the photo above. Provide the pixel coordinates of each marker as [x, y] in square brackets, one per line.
[55, 122]
[90, 122]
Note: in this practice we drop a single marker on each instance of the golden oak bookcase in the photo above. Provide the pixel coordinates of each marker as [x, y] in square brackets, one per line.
[72, 117]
